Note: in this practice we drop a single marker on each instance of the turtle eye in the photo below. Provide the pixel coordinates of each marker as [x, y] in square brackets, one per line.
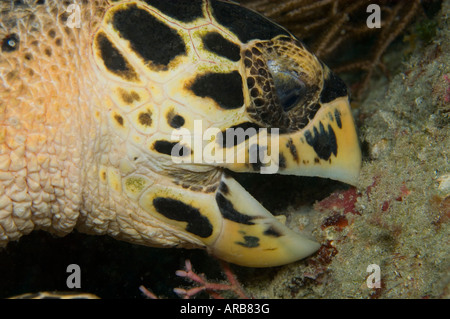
[290, 90]
[289, 87]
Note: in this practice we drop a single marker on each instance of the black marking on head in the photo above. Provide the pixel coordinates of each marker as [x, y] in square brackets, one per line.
[228, 212]
[198, 224]
[224, 88]
[119, 119]
[290, 145]
[237, 134]
[216, 43]
[166, 147]
[10, 43]
[249, 242]
[337, 115]
[113, 59]
[156, 42]
[223, 188]
[145, 118]
[175, 120]
[251, 82]
[246, 24]
[281, 161]
[333, 87]
[272, 232]
[323, 142]
[182, 10]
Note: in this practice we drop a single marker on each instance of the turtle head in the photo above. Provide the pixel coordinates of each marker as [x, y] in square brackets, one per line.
[223, 88]
[281, 111]
[295, 120]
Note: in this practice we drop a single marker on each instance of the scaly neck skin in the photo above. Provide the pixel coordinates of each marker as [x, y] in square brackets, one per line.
[60, 158]
[44, 121]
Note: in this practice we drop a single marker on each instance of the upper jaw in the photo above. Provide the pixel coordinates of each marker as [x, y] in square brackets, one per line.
[327, 147]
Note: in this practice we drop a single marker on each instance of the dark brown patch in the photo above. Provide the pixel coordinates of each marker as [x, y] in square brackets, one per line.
[250, 82]
[216, 43]
[224, 88]
[323, 142]
[166, 147]
[337, 116]
[333, 88]
[129, 97]
[48, 52]
[52, 33]
[223, 188]
[113, 59]
[249, 242]
[145, 118]
[229, 212]
[282, 161]
[181, 10]
[119, 119]
[246, 24]
[175, 120]
[272, 232]
[197, 223]
[155, 41]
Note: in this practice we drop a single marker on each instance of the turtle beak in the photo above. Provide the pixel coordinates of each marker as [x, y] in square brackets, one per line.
[250, 235]
[328, 147]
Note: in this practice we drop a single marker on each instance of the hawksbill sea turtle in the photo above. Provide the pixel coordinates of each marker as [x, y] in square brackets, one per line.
[91, 93]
